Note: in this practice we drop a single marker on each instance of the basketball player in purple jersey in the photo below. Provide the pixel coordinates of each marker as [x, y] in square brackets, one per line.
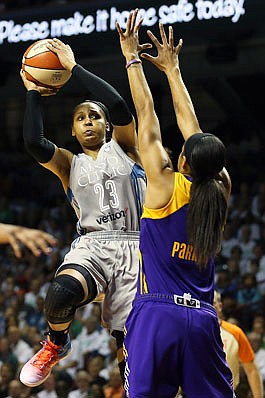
[172, 334]
[106, 187]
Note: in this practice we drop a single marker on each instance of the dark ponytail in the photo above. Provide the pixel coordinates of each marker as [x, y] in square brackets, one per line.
[207, 209]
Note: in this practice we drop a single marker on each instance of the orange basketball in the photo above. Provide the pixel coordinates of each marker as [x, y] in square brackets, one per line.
[43, 67]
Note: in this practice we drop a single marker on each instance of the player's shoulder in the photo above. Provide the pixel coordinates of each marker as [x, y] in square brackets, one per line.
[235, 330]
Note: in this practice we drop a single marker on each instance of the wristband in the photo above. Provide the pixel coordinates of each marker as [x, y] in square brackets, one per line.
[133, 61]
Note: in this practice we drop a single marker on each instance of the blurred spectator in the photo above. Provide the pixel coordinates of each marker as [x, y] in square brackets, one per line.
[255, 340]
[15, 389]
[236, 254]
[93, 366]
[6, 375]
[245, 242]
[234, 272]
[249, 300]
[6, 356]
[230, 310]
[82, 383]
[111, 360]
[89, 338]
[114, 388]
[224, 283]
[33, 293]
[260, 275]
[19, 347]
[258, 325]
[96, 391]
[48, 388]
[63, 387]
[258, 202]
[36, 317]
[229, 241]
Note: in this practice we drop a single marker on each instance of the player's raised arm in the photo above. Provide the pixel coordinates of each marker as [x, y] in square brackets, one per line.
[154, 157]
[167, 60]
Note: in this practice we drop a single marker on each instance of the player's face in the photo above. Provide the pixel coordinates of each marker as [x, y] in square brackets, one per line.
[183, 166]
[181, 160]
[89, 125]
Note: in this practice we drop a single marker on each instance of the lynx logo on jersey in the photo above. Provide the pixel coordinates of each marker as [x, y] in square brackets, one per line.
[112, 216]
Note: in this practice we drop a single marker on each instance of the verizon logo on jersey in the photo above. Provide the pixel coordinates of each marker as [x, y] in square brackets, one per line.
[112, 216]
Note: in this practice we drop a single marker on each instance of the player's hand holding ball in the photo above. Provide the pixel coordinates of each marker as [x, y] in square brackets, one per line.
[48, 63]
[63, 52]
[44, 91]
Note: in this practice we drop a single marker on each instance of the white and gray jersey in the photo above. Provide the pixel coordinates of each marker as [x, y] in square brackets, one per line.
[107, 193]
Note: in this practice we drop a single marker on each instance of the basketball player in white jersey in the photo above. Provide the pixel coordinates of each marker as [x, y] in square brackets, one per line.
[106, 186]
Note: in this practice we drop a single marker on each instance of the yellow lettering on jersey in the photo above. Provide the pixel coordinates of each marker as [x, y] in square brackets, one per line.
[175, 249]
[184, 251]
[189, 252]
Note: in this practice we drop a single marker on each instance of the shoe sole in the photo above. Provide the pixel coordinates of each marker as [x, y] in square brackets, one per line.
[42, 381]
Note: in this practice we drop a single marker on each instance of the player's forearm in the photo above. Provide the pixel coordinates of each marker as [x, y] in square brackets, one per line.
[102, 91]
[255, 383]
[148, 124]
[141, 94]
[140, 91]
[35, 142]
[183, 106]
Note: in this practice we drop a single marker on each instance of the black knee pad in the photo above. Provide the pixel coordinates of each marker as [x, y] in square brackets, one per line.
[90, 281]
[65, 293]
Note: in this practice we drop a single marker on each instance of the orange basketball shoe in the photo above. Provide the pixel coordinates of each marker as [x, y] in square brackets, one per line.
[39, 367]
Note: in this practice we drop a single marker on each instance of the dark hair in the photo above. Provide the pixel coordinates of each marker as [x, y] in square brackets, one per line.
[207, 209]
[106, 113]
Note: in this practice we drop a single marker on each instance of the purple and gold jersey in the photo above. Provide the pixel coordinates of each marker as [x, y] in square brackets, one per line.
[167, 262]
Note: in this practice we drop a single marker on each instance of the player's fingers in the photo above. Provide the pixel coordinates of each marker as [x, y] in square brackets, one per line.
[119, 29]
[27, 241]
[50, 239]
[129, 23]
[148, 57]
[179, 46]
[14, 243]
[58, 42]
[162, 33]
[171, 37]
[145, 46]
[43, 245]
[134, 16]
[153, 38]
[54, 45]
[137, 26]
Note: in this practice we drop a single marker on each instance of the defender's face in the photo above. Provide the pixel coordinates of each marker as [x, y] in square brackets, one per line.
[89, 125]
[181, 161]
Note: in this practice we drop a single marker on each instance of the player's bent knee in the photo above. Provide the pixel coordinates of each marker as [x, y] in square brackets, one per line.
[64, 295]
